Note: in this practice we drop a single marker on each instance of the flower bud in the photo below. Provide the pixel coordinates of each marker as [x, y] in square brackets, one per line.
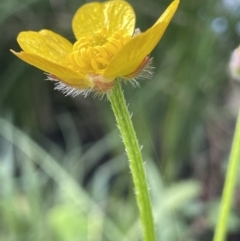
[234, 64]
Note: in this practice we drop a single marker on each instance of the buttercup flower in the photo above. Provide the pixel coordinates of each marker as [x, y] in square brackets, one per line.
[107, 48]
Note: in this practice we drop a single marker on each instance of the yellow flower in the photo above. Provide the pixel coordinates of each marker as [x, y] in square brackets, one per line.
[107, 47]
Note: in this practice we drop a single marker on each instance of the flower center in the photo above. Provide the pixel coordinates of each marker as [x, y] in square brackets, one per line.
[93, 53]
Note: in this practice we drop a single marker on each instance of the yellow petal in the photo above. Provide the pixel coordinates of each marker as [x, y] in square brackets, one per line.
[45, 44]
[133, 53]
[70, 77]
[114, 15]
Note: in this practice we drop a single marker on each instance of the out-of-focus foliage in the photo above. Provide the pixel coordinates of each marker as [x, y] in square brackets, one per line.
[64, 176]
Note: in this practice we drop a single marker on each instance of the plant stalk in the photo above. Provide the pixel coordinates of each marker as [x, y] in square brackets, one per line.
[229, 185]
[130, 141]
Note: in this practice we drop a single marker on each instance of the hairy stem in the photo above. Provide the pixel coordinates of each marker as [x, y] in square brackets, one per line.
[125, 125]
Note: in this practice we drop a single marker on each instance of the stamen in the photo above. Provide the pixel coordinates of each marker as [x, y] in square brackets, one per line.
[102, 52]
[110, 46]
[78, 60]
[93, 53]
[102, 61]
[94, 65]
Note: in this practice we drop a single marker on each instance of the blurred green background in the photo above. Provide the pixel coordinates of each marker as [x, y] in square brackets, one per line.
[63, 172]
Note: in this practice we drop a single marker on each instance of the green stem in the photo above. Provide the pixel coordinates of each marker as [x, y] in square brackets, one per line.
[228, 190]
[125, 125]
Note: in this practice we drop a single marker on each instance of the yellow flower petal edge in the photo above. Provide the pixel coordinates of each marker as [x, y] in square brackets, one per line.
[133, 53]
[113, 15]
[68, 76]
[45, 44]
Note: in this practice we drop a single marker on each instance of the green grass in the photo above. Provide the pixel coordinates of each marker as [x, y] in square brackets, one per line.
[69, 211]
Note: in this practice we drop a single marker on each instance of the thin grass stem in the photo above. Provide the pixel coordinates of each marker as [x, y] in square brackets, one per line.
[228, 189]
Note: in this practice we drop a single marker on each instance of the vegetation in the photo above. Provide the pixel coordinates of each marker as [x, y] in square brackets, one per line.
[64, 175]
